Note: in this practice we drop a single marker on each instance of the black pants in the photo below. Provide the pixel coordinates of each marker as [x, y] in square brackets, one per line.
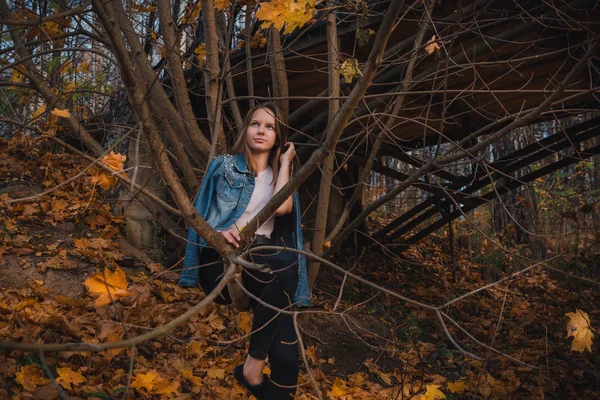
[274, 335]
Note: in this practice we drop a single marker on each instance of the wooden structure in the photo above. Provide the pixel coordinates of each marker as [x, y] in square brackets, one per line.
[505, 58]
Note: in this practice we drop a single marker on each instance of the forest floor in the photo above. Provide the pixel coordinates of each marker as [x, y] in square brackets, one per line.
[360, 344]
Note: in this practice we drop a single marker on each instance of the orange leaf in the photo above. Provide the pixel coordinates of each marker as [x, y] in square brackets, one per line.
[61, 113]
[105, 179]
[222, 4]
[145, 381]
[66, 377]
[457, 387]
[108, 286]
[339, 388]
[245, 322]
[166, 387]
[216, 373]
[30, 376]
[432, 46]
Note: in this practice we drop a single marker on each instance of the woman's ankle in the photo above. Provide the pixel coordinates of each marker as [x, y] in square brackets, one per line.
[253, 370]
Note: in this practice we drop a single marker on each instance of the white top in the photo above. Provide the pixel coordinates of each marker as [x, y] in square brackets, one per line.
[263, 192]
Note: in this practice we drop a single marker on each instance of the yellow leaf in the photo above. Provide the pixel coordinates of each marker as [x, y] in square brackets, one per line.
[457, 387]
[16, 76]
[245, 322]
[194, 348]
[66, 67]
[52, 27]
[200, 52]
[191, 12]
[291, 13]
[145, 381]
[579, 327]
[66, 377]
[339, 388]
[432, 46]
[216, 373]
[349, 69]
[112, 337]
[166, 387]
[61, 113]
[83, 67]
[363, 36]
[30, 376]
[433, 393]
[107, 286]
[189, 376]
[69, 87]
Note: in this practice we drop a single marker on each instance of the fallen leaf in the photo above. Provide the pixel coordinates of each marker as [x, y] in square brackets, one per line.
[245, 322]
[339, 388]
[189, 376]
[216, 373]
[30, 377]
[145, 381]
[457, 387]
[66, 377]
[108, 286]
[166, 387]
[579, 327]
[433, 393]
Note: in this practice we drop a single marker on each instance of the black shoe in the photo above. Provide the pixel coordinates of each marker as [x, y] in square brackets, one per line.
[257, 390]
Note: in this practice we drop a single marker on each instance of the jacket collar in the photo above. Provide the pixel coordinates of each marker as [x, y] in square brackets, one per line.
[240, 163]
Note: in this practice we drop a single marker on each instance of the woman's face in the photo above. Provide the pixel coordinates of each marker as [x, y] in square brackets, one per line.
[260, 133]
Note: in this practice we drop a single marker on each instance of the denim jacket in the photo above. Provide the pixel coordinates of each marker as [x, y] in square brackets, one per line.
[224, 195]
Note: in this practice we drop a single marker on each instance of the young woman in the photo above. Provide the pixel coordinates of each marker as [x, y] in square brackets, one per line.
[235, 188]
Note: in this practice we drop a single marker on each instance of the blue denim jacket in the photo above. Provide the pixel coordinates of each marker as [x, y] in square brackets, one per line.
[224, 195]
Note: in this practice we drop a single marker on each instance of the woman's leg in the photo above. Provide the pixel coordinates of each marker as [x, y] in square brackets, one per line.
[211, 271]
[277, 290]
[283, 357]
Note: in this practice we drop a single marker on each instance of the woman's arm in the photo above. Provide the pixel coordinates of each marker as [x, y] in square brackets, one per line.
[283, 177]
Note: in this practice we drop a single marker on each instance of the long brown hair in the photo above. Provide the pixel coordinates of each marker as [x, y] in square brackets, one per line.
[241, 144]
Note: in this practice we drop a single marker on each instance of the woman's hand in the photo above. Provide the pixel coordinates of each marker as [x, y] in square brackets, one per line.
[232, 236]
[287, 157]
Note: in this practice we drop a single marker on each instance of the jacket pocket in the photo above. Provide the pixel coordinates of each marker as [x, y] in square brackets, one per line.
[230, 188]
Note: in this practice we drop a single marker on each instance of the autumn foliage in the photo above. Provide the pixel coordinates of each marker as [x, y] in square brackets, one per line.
[97, 301]
[409, 102]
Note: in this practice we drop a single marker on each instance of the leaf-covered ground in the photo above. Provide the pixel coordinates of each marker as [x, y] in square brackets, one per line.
[361, 344]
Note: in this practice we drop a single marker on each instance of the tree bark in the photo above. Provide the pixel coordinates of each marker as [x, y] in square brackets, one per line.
[279, 75]
[318, 240]
[212, 86]
[182, 98]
